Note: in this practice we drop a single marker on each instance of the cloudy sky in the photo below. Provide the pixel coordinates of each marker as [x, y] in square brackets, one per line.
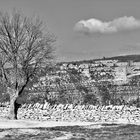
[87, 29]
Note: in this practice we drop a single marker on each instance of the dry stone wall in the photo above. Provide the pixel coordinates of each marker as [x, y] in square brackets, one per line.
[68, 112]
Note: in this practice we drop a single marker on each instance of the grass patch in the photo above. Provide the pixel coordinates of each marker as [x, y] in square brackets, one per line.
[107, 132]
[113, 124]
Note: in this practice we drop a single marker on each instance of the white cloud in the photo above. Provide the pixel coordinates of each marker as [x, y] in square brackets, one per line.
[97, 26]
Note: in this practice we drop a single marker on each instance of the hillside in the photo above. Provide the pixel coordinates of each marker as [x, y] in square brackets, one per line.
[125, 58]
[121, 58]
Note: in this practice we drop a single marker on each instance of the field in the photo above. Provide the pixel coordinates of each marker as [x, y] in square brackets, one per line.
[89, 132]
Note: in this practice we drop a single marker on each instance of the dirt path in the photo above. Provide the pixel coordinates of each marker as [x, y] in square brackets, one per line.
[45, 124]
[36, 124]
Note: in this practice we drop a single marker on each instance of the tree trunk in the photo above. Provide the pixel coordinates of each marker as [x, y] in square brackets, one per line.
[14, 106]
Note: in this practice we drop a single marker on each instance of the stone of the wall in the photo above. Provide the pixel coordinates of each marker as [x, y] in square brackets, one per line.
[61, 112]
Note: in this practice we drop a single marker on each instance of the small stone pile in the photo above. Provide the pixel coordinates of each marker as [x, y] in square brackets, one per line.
[70, 112]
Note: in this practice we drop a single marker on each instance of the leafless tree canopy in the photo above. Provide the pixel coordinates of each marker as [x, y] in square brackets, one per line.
[25, 47]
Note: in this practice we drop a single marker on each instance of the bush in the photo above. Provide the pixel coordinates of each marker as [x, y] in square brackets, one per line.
[90, 99]
[4, 97]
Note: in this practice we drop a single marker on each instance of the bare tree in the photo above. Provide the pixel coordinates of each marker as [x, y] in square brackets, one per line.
[25, 48]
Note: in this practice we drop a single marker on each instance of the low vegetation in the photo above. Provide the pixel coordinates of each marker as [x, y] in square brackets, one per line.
[104, 132]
